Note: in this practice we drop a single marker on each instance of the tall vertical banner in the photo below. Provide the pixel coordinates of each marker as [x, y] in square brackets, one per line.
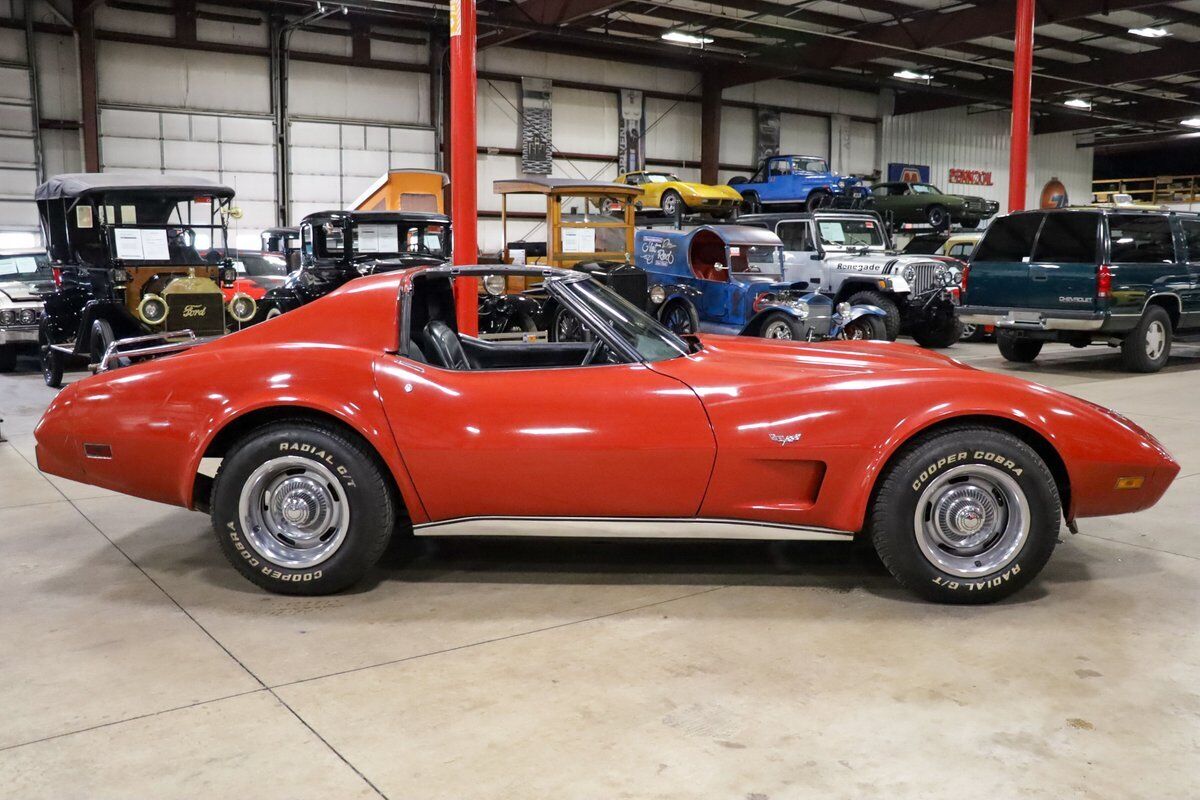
[537, 154]
[766, 134]
[631, 139]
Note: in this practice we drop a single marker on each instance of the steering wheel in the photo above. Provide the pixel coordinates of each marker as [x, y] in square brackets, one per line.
[592, 352]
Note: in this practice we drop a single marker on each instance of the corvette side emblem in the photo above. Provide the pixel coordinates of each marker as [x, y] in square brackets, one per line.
[784, 440]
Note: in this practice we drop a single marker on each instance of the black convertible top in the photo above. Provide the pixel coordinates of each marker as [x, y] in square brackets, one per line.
[84, 184]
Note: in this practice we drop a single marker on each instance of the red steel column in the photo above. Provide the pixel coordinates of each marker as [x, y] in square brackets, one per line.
[464, 197]
[1018, 155]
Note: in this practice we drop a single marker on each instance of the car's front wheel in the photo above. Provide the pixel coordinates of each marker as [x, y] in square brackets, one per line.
[778, 325]
[940, 334]
[892, 311]
[302, 508]
[672, 203]
[965, 515]
[868, 326]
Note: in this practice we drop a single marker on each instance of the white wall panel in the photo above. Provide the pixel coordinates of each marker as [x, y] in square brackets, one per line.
[208, 30]
[58, 76]
[953, 139]
[232, 150]
[672, 130]
[610, 73]
[341, 93]
[332, 163]
[12, 45]
[18, 159]
[135, 75]
[803, 135]
[587, 120]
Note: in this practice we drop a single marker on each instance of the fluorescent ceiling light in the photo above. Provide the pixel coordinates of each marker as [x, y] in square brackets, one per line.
[1149, 33]
[909, 75]
[685, 38]
[1191, 122]
[1076, 102]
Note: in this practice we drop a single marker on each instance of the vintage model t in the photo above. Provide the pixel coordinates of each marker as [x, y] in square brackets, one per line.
[138, 263]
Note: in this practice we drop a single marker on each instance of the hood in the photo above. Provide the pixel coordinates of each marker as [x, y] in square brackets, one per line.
[830, 357]
[706, 190]
[25, 291]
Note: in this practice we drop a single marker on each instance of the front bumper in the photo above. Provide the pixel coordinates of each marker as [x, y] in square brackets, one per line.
[1033, 319]
[19, 335]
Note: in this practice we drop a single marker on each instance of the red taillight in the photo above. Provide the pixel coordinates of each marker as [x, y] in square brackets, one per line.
[962, 280]
[57, 273]
[1103, 282]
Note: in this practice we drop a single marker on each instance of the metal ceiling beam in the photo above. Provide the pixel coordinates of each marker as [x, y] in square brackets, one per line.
[925, 31]
[543, 13]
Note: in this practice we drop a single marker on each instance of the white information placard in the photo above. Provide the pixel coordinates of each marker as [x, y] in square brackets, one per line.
[579, 240]
[154, 245]
[368, 239]
[129, 243]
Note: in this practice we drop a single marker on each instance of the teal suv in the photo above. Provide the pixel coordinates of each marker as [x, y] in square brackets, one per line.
[1122, 277]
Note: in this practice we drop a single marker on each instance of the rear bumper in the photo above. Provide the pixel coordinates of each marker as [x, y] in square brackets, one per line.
[1033, 319]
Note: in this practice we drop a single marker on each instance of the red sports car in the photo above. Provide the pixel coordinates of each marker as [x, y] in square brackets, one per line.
[366, 413]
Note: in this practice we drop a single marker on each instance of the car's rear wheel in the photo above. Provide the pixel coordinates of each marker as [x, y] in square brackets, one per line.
[1014, 348]
[891, 321]
[969, 514]
[302, 508]
[1148, 346]
[778, 325]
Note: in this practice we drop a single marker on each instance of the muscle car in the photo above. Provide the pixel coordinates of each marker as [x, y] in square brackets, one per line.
[665, 192]
[365, 415]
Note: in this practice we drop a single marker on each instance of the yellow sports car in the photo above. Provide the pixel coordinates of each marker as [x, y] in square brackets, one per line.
[664, 191]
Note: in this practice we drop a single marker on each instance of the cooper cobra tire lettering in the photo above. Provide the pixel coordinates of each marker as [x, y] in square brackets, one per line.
[366, 489]
[894, 525]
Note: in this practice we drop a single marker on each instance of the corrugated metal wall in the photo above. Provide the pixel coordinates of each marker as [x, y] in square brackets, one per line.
[181, 110]
[956, 139]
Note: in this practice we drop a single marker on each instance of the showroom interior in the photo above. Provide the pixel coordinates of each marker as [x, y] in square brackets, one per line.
[599, 398]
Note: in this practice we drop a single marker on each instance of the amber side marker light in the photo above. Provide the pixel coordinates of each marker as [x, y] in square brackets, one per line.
[105, 451]
[1130, 483]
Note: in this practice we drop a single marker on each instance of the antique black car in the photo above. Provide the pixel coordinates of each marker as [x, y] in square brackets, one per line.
[339, 246]
[138, 261]
[284, 242]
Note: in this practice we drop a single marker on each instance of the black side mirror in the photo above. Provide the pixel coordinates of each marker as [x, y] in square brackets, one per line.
[815, 257]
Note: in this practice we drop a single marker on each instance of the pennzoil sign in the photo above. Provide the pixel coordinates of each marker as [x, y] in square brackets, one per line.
[971, 177]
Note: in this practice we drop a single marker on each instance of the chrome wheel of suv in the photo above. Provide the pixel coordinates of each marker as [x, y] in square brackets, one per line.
[1156, 339]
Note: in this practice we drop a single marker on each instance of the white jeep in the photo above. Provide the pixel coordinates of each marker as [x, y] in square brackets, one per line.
[847, 254]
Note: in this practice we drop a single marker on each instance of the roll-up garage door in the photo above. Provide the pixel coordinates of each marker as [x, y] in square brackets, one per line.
[333, 163]
[234, 150]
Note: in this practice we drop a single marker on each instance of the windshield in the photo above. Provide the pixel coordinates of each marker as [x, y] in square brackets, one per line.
[651, 340]
[925, 188]
[383, 239]
[660, 177]
[257, 265]
[810, 165]
[152, 228]
[25, 267]
[847, 233]
[756, 260]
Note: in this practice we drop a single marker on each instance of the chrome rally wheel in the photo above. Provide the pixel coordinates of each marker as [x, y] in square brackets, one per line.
[294, 512]
[972, 520]
[303, 507]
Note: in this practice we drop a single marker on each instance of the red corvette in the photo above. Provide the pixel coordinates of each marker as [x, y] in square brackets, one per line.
[366, 412]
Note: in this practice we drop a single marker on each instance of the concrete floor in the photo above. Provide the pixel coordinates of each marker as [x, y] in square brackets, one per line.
[135, 662]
